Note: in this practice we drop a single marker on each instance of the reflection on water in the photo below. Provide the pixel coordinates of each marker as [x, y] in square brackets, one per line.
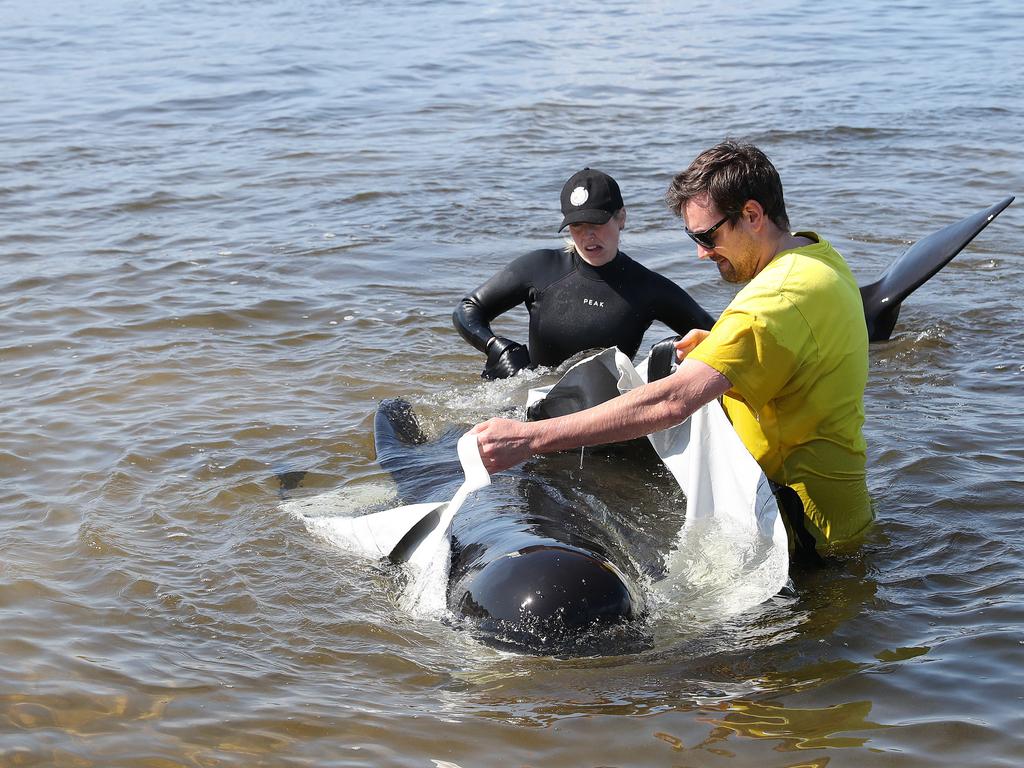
[794, 728]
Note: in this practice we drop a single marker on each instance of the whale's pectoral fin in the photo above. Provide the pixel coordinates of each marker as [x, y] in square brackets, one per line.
[882, 298]
[402, 551]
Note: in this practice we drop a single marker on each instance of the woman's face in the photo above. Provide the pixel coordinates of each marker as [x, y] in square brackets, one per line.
[597, 244]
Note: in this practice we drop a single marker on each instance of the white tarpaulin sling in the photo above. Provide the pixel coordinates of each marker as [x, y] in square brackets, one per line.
[732, 524]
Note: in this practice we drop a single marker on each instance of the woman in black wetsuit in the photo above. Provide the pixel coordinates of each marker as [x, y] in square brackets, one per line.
[588, 295]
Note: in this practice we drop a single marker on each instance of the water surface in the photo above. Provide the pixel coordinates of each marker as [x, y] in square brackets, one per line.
[228, 230]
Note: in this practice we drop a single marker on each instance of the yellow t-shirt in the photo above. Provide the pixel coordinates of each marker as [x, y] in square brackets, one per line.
[794, 345]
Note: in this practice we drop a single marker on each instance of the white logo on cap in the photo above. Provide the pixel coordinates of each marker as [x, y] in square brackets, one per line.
[579, 196]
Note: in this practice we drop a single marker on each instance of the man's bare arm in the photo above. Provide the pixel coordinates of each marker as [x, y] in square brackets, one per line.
[647, 409]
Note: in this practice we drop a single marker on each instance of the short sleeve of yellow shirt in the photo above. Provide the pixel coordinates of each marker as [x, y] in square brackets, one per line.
[742, 348]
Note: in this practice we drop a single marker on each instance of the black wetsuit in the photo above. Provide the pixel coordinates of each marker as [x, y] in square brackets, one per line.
[574, 306]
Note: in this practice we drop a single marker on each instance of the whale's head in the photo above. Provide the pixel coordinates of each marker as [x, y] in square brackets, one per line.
[547, 598]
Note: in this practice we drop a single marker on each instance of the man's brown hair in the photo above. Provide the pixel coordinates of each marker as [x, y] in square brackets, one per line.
[730, 174]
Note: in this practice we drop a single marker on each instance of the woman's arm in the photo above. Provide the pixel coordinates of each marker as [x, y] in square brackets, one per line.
[676, 308]
[473, 314]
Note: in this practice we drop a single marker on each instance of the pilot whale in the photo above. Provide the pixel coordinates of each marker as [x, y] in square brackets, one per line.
[567, 554]
[551, 558]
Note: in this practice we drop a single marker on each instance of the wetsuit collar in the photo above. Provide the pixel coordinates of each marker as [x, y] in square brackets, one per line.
[589, 270]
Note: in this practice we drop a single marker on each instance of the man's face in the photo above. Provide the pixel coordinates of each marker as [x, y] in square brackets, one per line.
[734, 253]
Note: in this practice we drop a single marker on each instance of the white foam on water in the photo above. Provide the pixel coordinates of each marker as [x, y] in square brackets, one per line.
[717, 571]
[486, 399]
[426, 594]
[348, 502]
[319, 513]
[327, 516]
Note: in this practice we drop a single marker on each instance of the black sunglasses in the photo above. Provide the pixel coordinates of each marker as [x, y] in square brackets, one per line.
[706, 236]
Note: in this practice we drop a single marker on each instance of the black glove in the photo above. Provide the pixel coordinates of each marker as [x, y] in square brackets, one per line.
[505, 358]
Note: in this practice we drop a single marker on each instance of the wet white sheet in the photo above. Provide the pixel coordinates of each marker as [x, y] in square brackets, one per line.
[731, 552]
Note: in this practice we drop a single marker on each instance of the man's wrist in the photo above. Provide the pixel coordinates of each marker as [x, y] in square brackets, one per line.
[540, 437]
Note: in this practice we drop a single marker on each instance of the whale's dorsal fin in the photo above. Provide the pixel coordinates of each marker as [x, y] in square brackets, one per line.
[396, 421]
[923, 259]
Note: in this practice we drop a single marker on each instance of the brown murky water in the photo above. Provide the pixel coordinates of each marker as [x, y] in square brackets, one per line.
[228, 231]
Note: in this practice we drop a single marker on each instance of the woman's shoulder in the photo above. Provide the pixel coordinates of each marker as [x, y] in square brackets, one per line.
[638, 271]
[543, 256]
[541, 263]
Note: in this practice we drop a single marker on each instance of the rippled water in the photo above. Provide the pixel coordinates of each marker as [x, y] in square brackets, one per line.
[228, 230]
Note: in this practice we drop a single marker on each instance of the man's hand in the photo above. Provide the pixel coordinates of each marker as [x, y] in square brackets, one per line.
[503, 443]
[687, 344]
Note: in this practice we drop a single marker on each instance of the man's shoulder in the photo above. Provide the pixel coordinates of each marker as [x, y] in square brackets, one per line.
[803, 291]
[806, 270]
[775, 299]
[820, 253]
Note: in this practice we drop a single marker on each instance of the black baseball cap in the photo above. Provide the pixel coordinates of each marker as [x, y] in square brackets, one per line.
[589, 197]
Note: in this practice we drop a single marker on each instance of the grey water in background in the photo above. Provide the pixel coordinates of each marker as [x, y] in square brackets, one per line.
[227, 230]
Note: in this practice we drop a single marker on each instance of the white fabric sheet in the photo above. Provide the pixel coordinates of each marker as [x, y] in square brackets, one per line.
[732, 551]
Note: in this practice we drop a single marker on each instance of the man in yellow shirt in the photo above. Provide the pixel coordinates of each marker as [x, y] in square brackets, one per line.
[789, 355]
